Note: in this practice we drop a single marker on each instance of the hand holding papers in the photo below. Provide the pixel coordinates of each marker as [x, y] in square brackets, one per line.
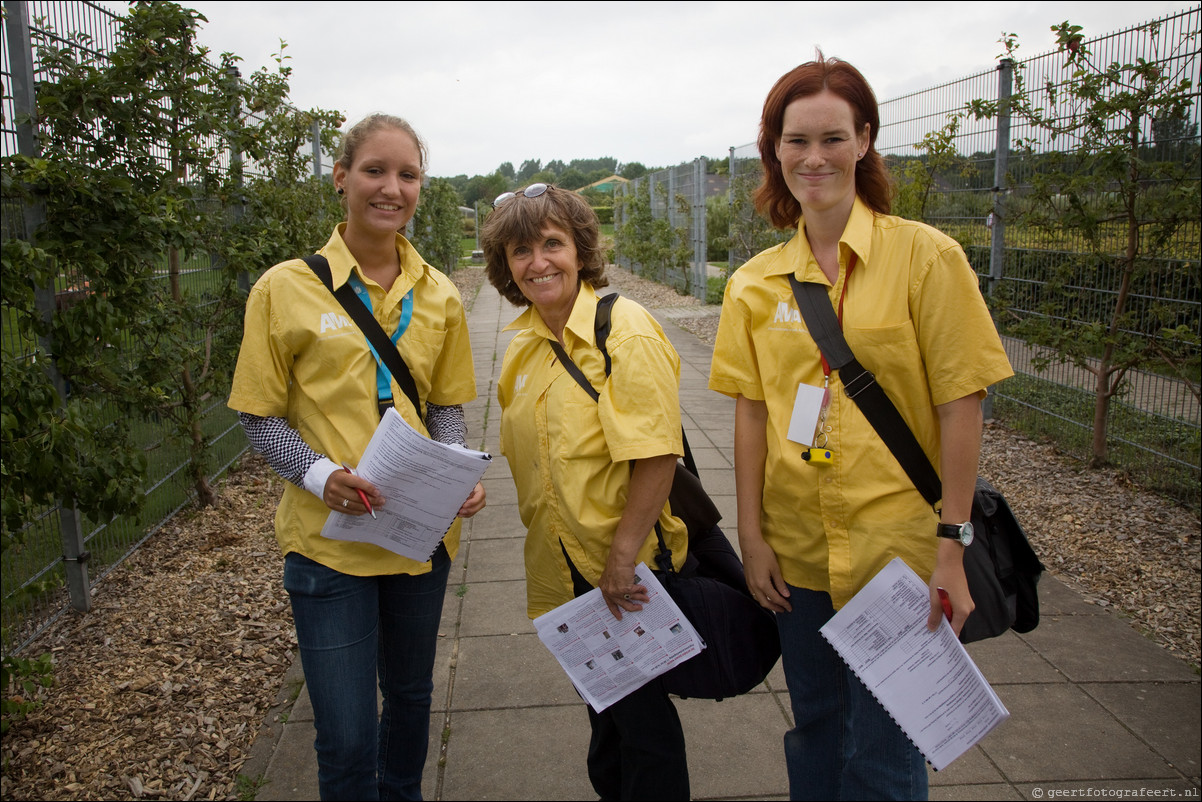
[425, 483]
[924, 679]
[605, 658]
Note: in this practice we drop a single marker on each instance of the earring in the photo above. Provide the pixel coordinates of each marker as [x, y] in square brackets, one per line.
[341, 191]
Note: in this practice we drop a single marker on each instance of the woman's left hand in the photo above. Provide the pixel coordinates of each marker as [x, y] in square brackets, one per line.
[475, 502]
[619, 589]
[949, 575]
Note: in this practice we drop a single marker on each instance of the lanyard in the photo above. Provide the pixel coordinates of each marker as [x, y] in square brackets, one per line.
[383, 374]
[820, 437]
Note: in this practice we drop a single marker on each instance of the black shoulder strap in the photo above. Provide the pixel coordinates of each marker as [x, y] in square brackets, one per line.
[862, 387]
[370, 327]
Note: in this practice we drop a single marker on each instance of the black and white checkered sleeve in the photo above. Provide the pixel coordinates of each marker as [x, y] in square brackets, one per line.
[281, 445]
[446, 424]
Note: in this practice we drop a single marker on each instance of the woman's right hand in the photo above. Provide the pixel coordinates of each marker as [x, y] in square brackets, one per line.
[341, 493]
[763, 574]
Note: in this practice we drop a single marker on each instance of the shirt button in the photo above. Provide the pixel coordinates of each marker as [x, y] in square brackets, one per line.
[828, 480]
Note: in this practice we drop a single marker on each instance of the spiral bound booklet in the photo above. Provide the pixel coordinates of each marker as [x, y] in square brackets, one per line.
[925, 680]
[424, 483]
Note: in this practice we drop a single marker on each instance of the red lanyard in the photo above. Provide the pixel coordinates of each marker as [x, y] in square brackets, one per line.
[851, 265]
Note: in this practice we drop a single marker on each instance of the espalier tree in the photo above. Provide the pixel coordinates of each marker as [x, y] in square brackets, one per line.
[1131, 200]
[127, 178]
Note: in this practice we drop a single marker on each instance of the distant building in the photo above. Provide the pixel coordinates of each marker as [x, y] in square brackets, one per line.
[606, 184]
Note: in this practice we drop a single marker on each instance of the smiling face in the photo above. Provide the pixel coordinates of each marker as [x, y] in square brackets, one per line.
[547, 272]
[382, 184]
[818, 151]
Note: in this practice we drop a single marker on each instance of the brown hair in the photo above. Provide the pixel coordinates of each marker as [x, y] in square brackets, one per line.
[873, 183]
[519, 221]
[360, 131]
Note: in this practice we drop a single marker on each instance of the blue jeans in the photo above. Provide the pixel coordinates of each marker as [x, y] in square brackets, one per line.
[843, 744]
[354, 632]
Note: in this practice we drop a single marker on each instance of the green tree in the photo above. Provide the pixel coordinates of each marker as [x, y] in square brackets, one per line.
[132, 197]
[506, 169]
[1127, 206]
[633, 170]
[529, 168]
[437, 225]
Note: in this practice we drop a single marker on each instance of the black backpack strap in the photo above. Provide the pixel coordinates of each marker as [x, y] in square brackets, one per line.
[862, 387]
[370, 327]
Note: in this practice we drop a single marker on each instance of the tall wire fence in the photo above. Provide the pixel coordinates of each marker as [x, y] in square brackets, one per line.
[972, 189]
[64, 554]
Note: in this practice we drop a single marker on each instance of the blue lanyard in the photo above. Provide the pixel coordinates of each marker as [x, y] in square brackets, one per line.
[383, 375]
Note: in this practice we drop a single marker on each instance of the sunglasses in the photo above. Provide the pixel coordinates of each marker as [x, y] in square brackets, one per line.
[532, 191]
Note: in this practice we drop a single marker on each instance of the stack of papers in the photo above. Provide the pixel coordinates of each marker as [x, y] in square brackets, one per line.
[424, 482]
[925, 680]
[605, 658]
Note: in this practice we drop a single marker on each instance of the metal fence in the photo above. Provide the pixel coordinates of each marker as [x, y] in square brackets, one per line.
[1154, 420]
[64, 554]
[673, 253]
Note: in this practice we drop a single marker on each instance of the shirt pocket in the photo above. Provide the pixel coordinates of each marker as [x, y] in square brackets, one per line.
[421, 348]
[893, 356]
[579, 430]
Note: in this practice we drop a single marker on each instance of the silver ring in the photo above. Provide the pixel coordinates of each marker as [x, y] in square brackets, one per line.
[626, 596]
[346, 502]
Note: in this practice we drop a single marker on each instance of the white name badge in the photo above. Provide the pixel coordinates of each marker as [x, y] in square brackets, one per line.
[806, 409]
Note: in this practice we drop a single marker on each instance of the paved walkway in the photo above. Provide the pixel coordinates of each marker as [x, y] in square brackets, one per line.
[1095, 707]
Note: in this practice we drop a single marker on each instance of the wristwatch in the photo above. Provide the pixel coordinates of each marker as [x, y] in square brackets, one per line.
[961, 532]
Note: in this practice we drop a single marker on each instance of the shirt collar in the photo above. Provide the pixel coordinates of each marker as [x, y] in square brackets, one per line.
[581, 323]
[342, 262]
[857, 238]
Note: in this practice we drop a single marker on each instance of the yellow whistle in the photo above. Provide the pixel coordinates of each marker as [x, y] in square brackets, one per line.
[818, 456]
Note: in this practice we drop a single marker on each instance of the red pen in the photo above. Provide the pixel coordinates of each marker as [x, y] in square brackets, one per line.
[946, 601]
[363, 496]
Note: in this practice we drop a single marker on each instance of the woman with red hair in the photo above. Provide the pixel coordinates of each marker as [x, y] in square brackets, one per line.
[813, 533]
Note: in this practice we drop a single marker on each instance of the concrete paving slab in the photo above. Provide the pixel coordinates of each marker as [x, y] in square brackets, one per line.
[1057, 732]
[497, 521]
[518, 754]
[972, 768]
[1146, 707]
[497, 560]
[735, 747]
[495, 608]
[1071, 644]
[1008, 659]
[499, 671]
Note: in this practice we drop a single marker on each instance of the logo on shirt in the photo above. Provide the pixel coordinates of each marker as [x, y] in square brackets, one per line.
[519, 384]
[333, 320]
[786, 313]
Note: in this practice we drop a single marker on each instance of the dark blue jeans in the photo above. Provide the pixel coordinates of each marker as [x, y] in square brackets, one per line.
[355, 632]
[843, 744]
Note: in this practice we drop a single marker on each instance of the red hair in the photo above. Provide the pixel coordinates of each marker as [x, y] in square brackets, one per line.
[873, 184]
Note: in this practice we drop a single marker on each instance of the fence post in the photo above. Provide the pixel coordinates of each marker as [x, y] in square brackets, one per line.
[1001, 164]
[700, 251]
[316, 148]
[20, 49]
[233, 80]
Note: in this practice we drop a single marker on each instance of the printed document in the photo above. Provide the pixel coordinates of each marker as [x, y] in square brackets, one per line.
[424, 483]
[925, 680]
[605, 658]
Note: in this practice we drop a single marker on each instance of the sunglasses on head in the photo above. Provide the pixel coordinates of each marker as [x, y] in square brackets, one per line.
[532, 191]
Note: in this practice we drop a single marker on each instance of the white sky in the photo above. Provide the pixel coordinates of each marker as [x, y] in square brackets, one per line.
[652, 82]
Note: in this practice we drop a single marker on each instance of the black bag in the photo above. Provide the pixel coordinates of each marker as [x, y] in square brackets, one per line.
[742, 642]
[1002, 569]
[1000, 565]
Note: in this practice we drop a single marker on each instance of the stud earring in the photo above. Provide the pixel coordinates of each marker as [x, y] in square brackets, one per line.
[341, 191]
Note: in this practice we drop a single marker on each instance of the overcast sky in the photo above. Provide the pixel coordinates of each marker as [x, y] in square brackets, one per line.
[653, 82]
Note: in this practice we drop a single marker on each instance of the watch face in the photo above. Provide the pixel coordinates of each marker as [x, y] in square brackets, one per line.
[966, 534]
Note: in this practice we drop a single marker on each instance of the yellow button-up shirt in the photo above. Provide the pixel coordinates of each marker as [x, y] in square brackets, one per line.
[914, 316]
[570, 456]
[304, 359]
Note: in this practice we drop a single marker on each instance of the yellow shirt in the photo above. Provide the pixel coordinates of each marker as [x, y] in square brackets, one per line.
[570, 456]
[304, 359]
[914, 316]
